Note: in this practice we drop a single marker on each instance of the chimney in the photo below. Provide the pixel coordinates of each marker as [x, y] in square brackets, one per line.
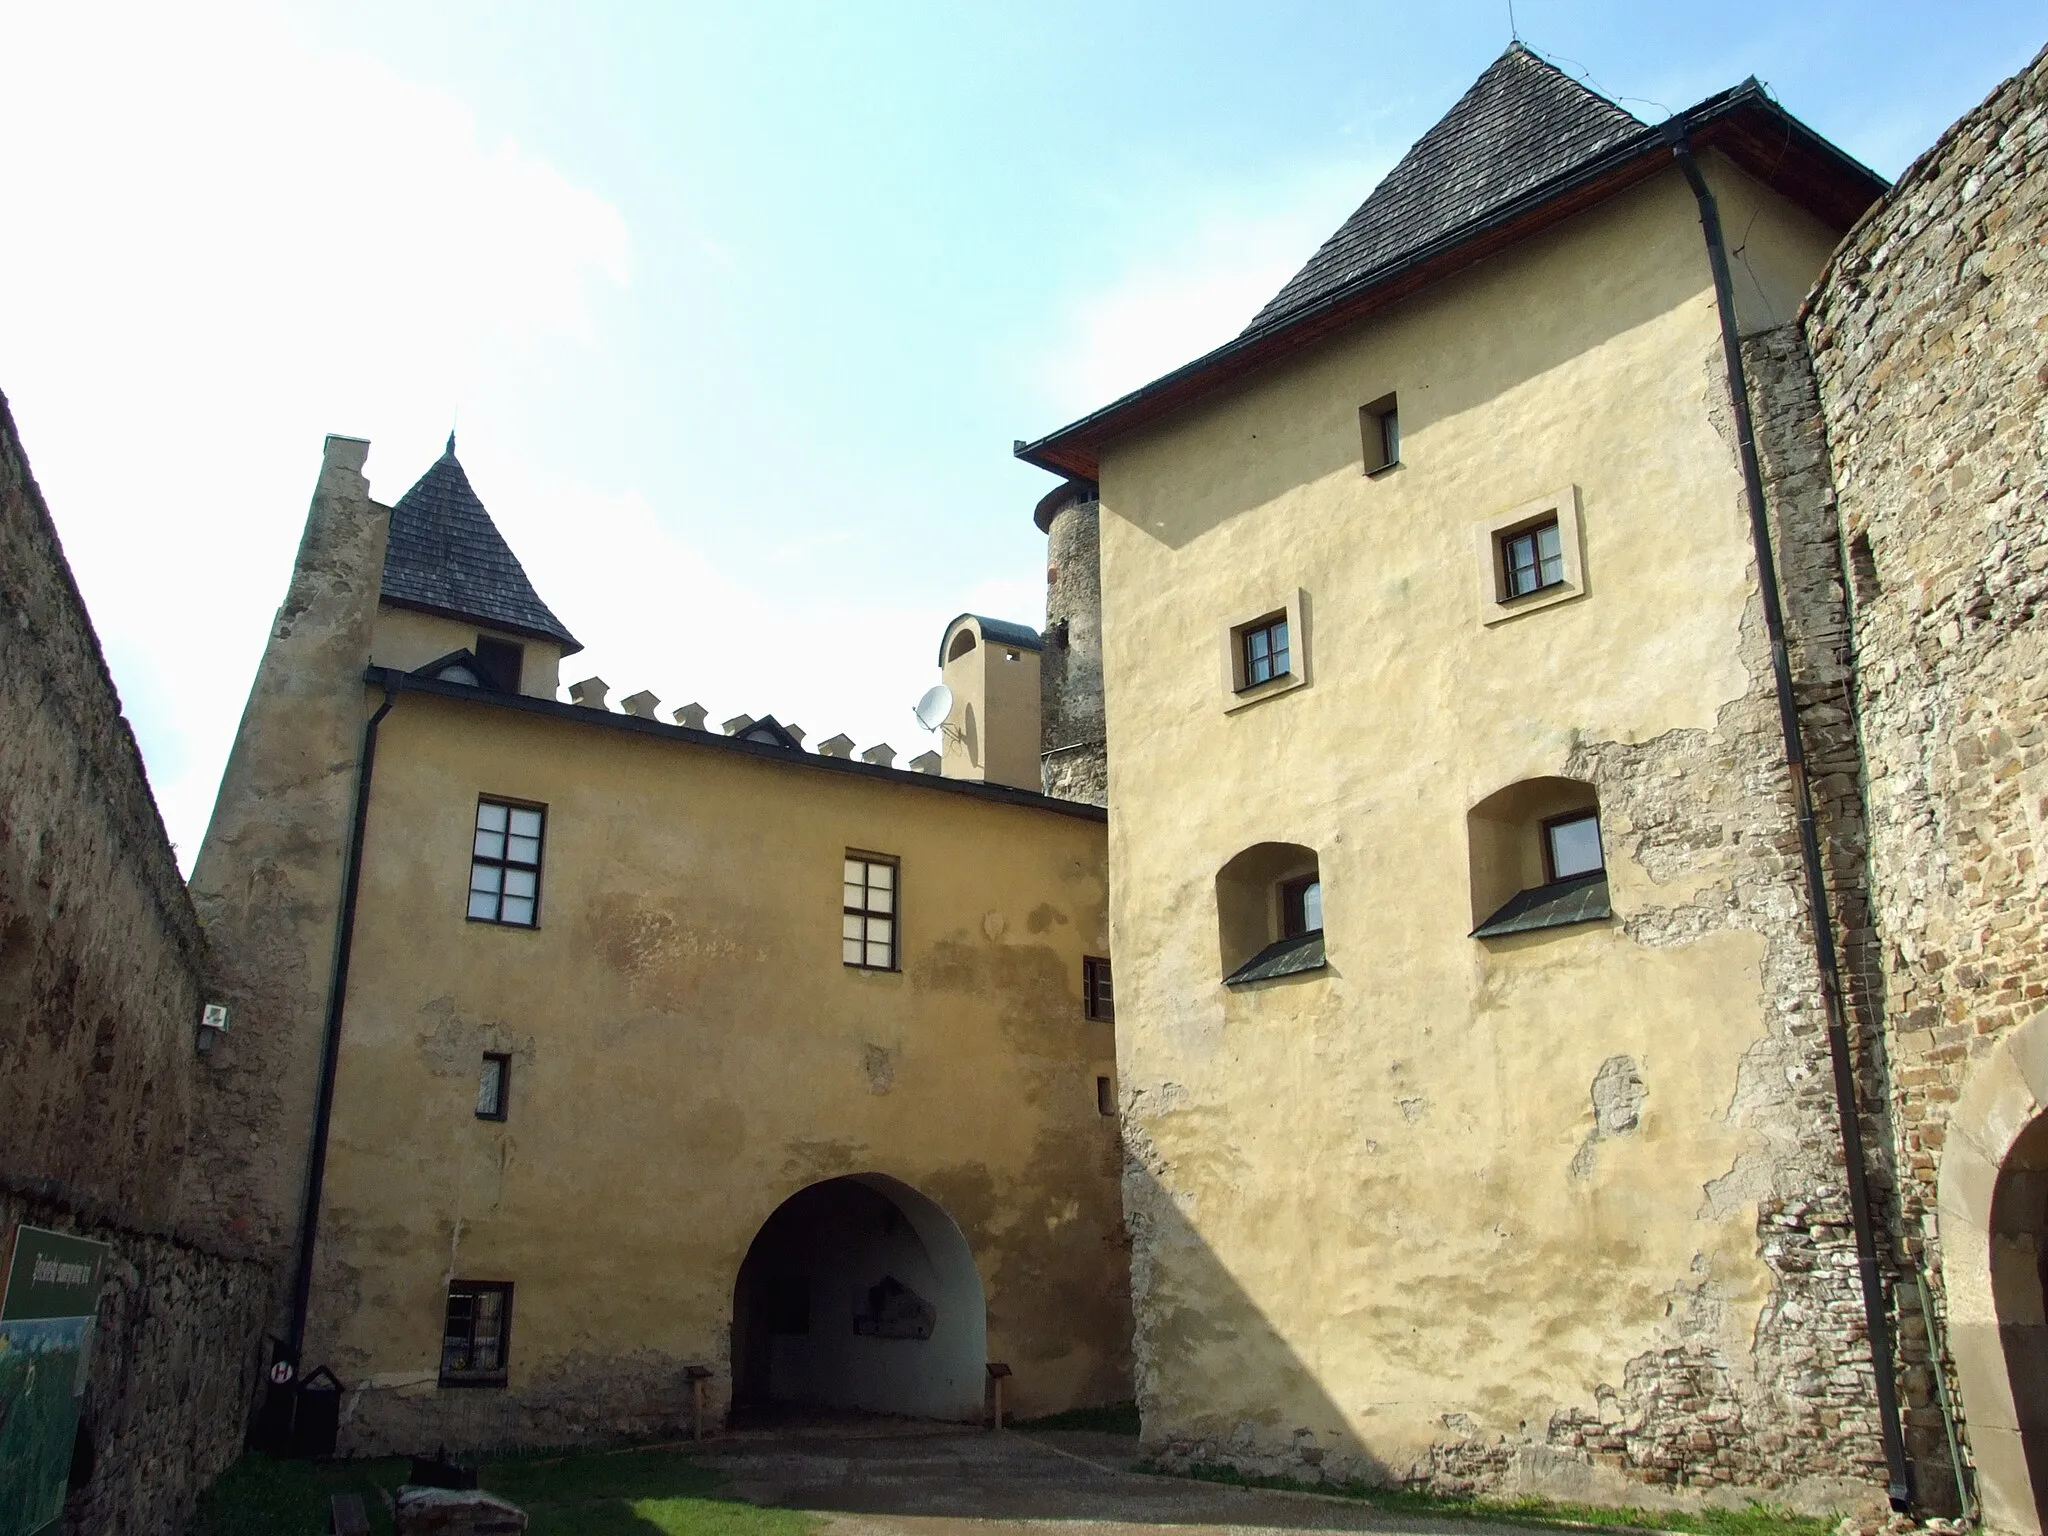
[925, 762]
[796, 733]
[691, 717]
[589, 693]
[640, 704]
[836, 746]
[882, 756]
[992, 734]
[737, 724]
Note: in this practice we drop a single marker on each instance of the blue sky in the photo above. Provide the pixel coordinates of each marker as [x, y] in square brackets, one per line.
[738, 308]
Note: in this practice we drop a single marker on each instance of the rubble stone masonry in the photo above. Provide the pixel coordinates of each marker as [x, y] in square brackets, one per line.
[1929, 339]
[101, 967]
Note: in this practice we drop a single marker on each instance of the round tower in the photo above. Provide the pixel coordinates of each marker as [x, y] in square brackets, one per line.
[1074, 748]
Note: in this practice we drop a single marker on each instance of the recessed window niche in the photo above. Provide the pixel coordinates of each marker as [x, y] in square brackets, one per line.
[1536, 858]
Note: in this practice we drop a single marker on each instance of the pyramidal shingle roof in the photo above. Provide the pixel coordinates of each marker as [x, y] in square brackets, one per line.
[446, 555]
[1524, 122]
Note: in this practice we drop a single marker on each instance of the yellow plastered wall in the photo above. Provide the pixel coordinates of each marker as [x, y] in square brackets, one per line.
[1363, 1214]
[688, 1051]
[405, 638]
[992, 734]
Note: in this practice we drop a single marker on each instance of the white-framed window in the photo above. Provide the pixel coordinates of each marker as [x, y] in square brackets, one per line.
[870, 909]
[504, 865]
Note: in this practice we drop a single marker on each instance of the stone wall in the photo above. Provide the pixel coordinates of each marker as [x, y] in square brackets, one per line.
[101, 968]
[1076, 754]
[1927, 338]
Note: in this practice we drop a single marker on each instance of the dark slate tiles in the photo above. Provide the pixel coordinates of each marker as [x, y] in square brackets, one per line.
[445, 553]
[1523, 123]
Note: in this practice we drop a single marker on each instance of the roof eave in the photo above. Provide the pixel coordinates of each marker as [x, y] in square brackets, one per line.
[569, 643]
[1744, 123]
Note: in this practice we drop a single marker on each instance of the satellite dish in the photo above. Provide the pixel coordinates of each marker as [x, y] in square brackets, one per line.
[932, 709]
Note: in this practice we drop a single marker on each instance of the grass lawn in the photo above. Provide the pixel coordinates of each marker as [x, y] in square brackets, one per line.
[583, 1493]
[1755, 1520]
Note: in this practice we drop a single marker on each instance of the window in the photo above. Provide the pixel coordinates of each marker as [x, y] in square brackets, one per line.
[493, 1086]
[1301, 907]
[1265, 651]
[868, 925]
[1536, 858]
[1531, 560]
[503, 662]
[1105, 1097]
[1571, 845]
[1098, 1000]
[1269, 913]
[504, 870]
[477, 1333]
[1379, 427]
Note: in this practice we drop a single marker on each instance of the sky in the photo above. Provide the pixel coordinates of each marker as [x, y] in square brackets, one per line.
[736, 308]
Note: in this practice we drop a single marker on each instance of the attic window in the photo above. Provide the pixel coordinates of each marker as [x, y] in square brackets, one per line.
[502, 663]
[1379, 429]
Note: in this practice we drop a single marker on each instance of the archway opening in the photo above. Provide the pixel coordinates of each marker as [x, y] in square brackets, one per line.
[860, 1293]
[2019, 1290]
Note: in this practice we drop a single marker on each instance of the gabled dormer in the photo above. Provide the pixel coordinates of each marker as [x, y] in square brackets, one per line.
[451, 583]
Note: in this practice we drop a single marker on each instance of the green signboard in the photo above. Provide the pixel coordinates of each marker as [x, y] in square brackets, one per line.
[46, 1317]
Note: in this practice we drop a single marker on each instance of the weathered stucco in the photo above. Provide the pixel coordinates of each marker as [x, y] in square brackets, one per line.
[102, 976]
[687, 1052]
[1558, 1211]
[1075, 746]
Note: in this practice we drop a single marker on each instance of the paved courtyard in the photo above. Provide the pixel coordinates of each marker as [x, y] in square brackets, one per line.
[902, 1481]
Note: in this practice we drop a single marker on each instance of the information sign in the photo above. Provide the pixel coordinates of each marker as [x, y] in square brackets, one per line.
[46, 1318]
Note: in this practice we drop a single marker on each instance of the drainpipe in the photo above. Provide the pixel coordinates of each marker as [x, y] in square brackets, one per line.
[1877, 1322]
[330, 1043]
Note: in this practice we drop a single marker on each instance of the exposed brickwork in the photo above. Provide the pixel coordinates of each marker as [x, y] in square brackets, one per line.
[1927, 337]
[100, 991]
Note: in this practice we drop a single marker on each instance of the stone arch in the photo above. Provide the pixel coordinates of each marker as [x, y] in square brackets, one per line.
[859, 1292]
[1992, 1205]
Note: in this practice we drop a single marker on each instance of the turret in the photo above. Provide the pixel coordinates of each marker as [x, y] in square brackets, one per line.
[1073, 743]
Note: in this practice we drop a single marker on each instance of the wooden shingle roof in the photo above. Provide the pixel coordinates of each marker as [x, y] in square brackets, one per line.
[446, 556]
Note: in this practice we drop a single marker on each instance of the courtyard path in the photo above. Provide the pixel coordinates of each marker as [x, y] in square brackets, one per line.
[904, 1481]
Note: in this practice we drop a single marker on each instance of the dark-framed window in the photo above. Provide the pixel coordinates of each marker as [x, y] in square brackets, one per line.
[1571, 845]
[476, 1333]
[1379, 428]
[1264, 648]
[504, 662]
[1531, 559]
[494, 1086]
[869, 911]
[504, 868]
[1301, 906]
[1098, 994]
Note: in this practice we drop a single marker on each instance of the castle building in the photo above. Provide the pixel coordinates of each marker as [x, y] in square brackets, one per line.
[1486, 1074]
[644, 1061]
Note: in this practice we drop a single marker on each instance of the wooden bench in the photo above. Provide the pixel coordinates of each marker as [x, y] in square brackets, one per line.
[346, 1517]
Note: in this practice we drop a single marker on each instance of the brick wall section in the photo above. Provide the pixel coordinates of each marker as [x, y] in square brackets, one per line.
[1927, 338]
[100, 990]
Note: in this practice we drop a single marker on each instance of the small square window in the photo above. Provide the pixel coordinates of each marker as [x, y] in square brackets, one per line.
[476, 1333]
[1266, 651]
[1301, 907]
[493, 1086]
[1531, 560]
[1571, 845]
[1379, 429]
[1098, 998]
[503, 662]
[504, 867]
[868, 912]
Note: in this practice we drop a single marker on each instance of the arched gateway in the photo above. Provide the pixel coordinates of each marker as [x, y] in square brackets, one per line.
[1994, 1267]
[859, 1292]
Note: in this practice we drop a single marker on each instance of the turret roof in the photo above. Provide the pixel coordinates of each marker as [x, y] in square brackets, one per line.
[445, 555]
[1521, 123]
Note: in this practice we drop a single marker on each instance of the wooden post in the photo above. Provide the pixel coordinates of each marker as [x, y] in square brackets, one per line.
[698, 1375]
[996, 1372]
